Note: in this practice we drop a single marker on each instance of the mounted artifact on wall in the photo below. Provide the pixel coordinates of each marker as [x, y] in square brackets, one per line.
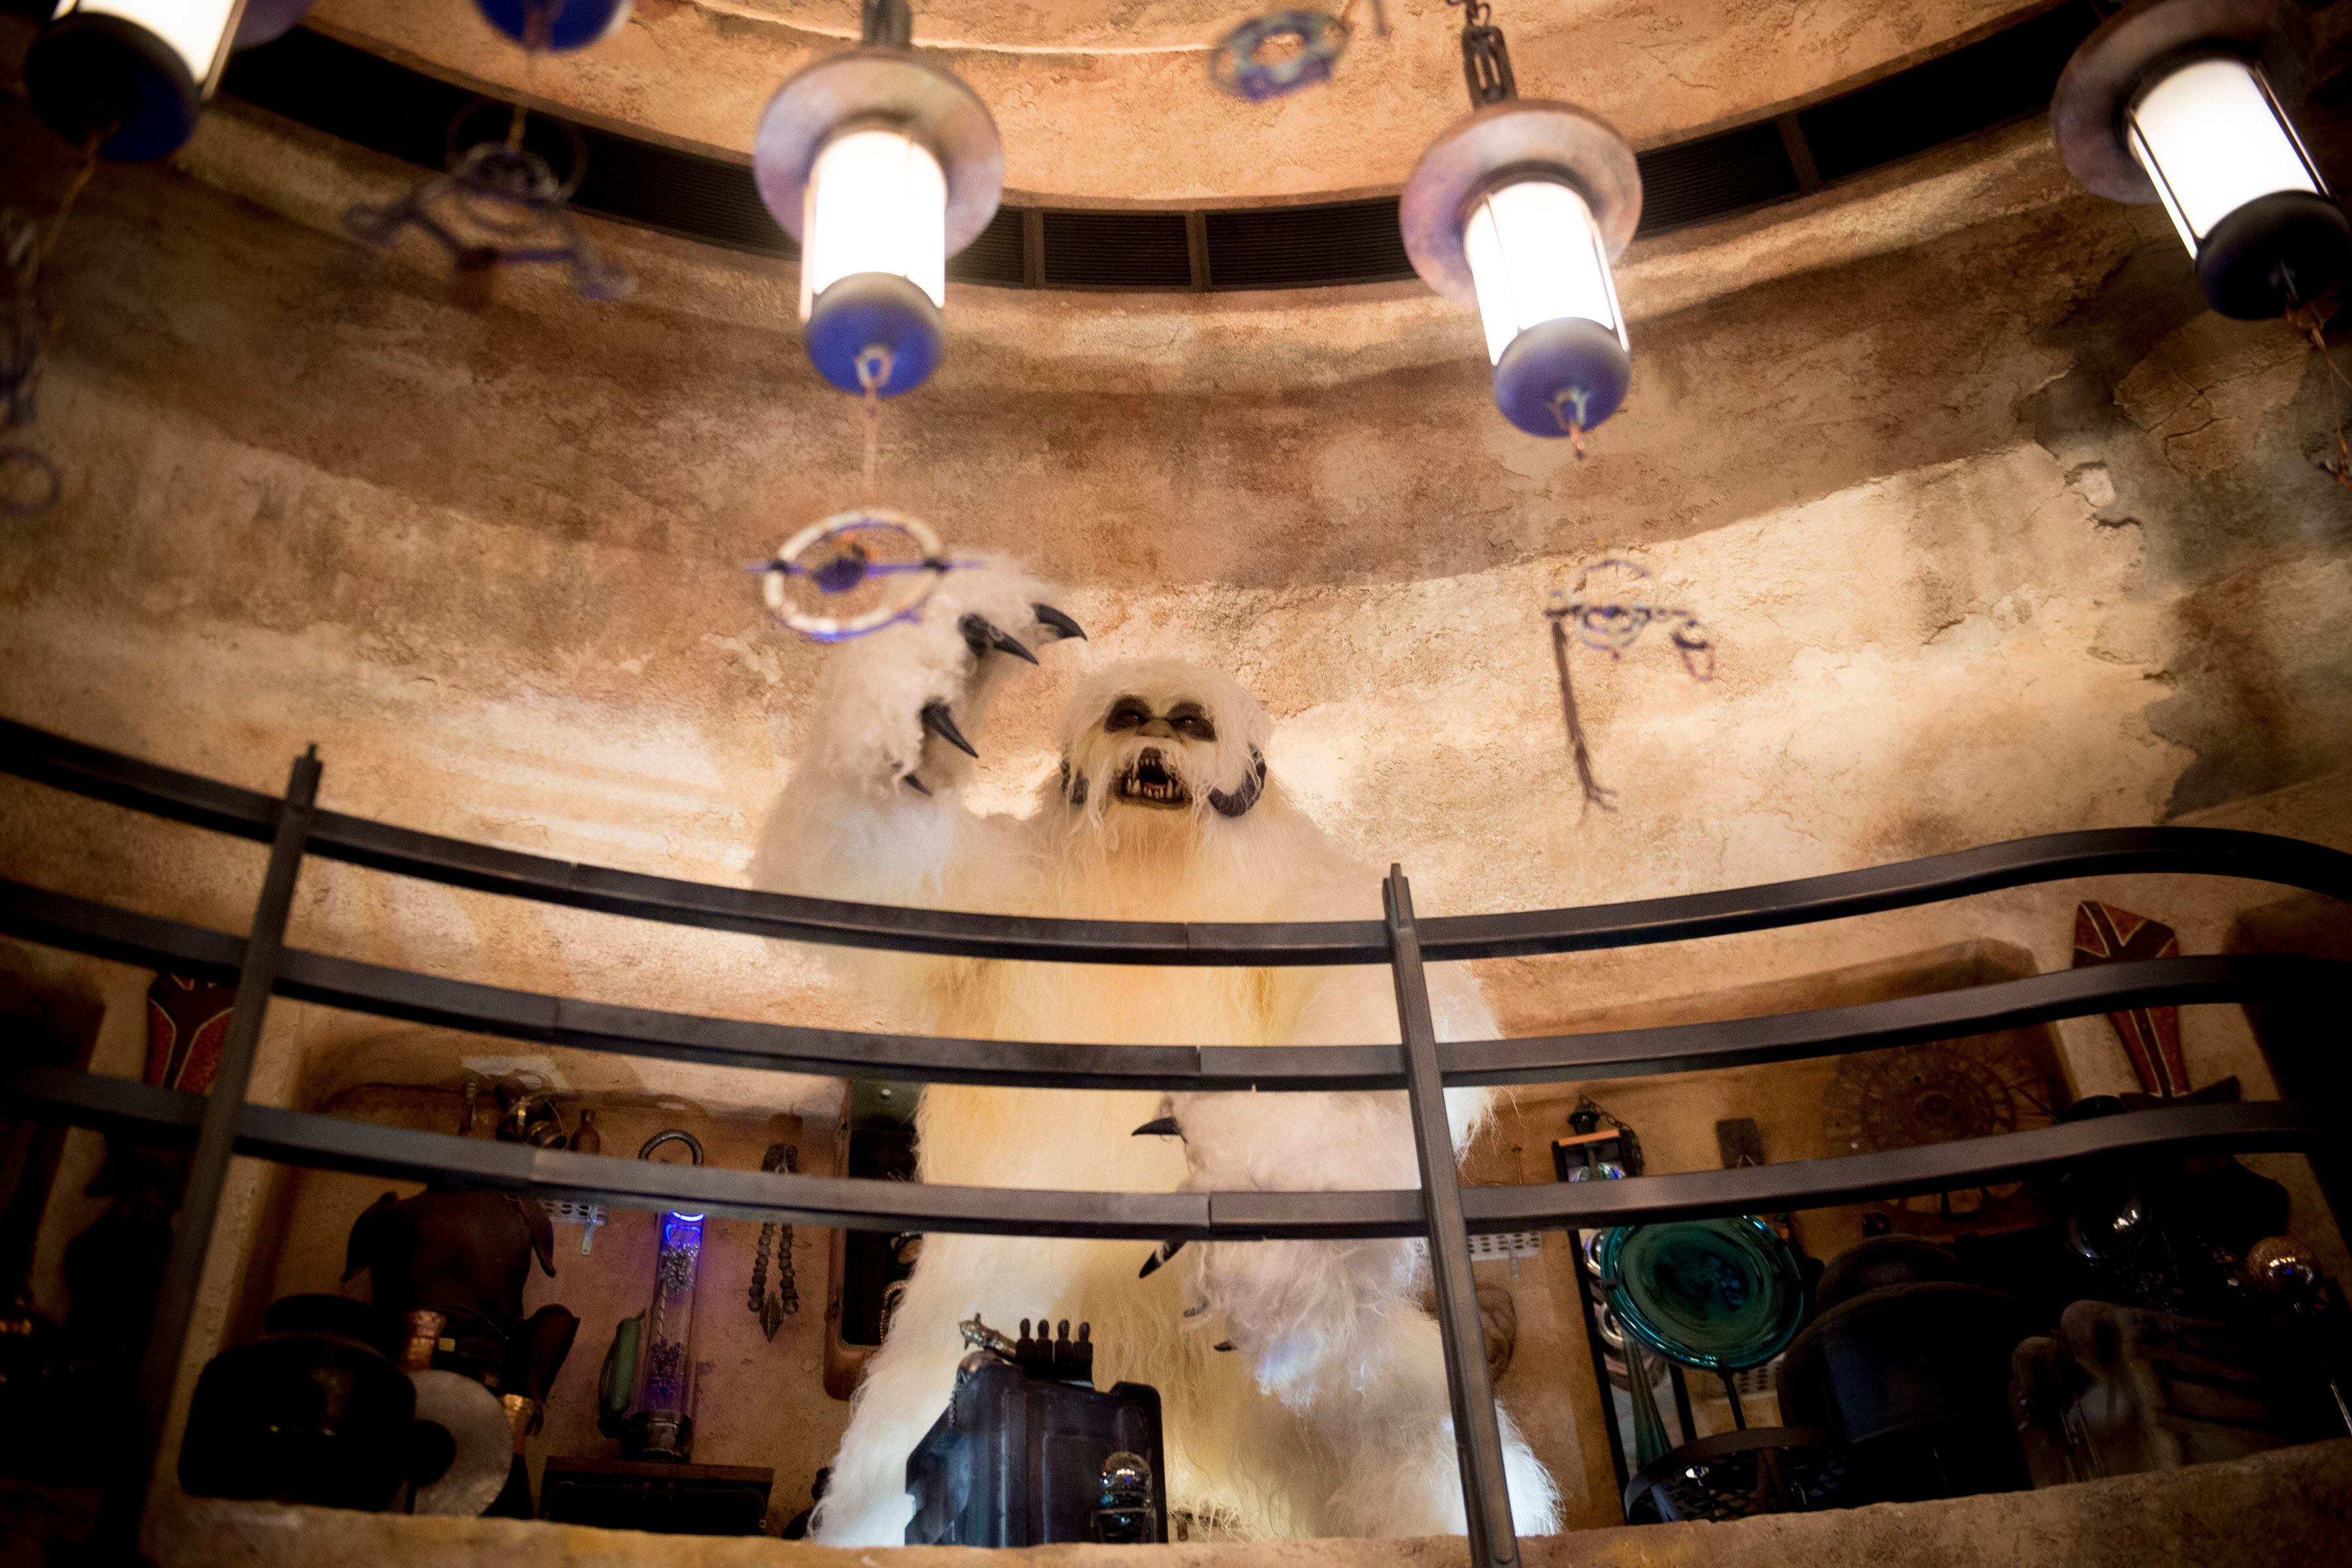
[1909, 1097]
[2151, 1036]
[1610, 607]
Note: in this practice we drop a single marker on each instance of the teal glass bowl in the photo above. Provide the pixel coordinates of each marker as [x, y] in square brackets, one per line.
[1719, 1294]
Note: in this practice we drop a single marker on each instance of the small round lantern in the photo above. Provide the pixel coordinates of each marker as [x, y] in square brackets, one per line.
[882, 165]
[134, 74]
[2185, 102]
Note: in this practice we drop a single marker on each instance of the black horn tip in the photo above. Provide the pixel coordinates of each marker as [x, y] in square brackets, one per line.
[1160, 1127]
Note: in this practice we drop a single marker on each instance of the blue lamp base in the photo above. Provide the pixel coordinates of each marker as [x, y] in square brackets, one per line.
[2276, 250]
[874, 309]
[571, 24]
[1561, 376]
[92, 73]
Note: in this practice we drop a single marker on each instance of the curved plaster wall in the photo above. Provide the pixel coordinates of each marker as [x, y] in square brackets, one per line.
[1109, 104]
[2000, 534]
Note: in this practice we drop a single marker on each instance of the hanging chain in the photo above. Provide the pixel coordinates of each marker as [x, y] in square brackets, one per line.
[1573, 424]
[2311, 321]
[885, 24]
[772, 1311]
[874, 366]
[1485, 60]
[537, 35]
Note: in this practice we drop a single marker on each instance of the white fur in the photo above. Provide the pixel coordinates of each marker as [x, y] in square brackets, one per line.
[1330, 1416]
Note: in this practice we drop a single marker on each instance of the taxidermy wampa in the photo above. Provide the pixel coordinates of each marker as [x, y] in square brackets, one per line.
[1303, 1385]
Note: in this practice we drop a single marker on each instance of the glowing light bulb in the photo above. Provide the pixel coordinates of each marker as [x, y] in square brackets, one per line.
[873, 262]
[1555, 332]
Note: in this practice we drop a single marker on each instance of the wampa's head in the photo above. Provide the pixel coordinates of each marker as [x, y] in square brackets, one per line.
[1160, 737]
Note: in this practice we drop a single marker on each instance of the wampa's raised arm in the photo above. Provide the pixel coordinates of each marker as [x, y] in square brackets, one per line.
[872, 812]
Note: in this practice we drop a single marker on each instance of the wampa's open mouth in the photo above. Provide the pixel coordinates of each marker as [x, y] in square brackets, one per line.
[1148, 781]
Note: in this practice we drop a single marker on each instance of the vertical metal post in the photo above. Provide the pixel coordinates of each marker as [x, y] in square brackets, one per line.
[1593, 1342]
[191, 1236]
[1477, 1433]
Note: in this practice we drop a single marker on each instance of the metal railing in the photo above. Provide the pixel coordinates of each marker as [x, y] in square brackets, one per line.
[222, 1122]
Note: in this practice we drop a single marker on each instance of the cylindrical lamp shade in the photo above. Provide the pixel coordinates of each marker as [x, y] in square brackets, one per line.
[2239, 186]
[133, 73]
[1555, 332]
[874, 259]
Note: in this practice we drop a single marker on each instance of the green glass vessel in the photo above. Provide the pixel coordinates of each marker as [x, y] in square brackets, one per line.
[1717, 1294]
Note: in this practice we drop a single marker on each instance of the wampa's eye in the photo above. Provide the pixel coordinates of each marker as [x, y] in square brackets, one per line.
[1191, 721]
[1127, 713]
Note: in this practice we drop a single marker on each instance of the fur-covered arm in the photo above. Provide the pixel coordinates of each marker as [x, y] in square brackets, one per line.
[872, 811]
[1303, 1311]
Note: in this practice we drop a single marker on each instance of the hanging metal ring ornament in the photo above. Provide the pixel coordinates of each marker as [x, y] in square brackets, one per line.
[834, 556]
[1241, 65]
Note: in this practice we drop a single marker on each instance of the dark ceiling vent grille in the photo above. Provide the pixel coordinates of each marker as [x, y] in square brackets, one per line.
[365, 98]
[1990, 82]
[996, 257]
[1115, 250]
[1291, 248]
[1692, 182]
[681, 193]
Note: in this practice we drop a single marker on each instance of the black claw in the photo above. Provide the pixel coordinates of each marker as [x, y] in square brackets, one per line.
[979, 636]
[912, 782]
[936, 720]
[1164, 1126]
[1060, 625]
[1168, 1249]
[1223, 1345]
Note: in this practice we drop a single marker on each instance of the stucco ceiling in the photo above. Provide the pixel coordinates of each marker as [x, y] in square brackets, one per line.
[1106, 103]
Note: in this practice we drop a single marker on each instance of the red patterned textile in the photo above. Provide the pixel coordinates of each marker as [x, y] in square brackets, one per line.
[2151, 1036]
[186, 1020]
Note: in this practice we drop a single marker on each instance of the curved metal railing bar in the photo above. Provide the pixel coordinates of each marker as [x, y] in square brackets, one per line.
[188, 797]
[308, 1138]
[84, 925]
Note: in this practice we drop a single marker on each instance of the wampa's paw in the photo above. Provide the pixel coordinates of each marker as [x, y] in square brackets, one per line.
[921, 685]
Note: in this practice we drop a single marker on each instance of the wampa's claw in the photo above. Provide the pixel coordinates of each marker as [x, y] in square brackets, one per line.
[1060, 625]
[1163, 1127]
[912, 782]
[979, 636]
[936, 720]
[1168, 1249]
[1223, 1345]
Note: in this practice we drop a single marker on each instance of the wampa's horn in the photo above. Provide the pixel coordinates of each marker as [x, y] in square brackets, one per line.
[979, 636]
[1161, 1127]
[936, 720]
[1168, 1249]
[1060, 625]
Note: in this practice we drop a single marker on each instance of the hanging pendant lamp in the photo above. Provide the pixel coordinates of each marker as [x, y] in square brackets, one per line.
[1520, 209]
[131, 74]
[882, 165]
[2185, 102]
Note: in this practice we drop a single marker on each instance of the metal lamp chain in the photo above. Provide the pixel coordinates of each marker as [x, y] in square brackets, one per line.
[1485, 60]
